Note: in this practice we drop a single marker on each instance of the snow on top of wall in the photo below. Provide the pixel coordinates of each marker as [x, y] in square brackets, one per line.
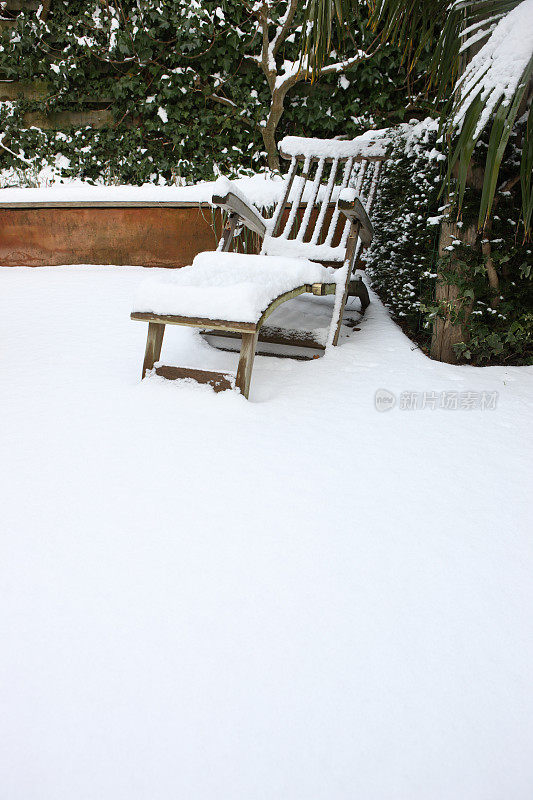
[497, 68]
[263, 190]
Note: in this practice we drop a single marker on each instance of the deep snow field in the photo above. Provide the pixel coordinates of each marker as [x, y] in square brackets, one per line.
[293, 598]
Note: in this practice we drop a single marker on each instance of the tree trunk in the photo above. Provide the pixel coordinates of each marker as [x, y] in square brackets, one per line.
[269, 131]
[492, 274]
[269, 140]
[448, 330]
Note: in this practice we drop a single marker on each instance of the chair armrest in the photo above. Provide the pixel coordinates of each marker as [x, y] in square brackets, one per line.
[353, 210]
[238, 205]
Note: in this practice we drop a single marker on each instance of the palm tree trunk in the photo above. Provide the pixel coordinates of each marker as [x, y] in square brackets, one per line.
[449, 328]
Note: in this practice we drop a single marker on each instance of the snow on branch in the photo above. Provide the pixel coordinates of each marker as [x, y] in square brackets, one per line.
[341, 66]
[284, 27]
[273, 32]
[291, 70]
[11, 152]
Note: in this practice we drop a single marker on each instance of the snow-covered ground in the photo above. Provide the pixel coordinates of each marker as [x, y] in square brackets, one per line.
[293, 598]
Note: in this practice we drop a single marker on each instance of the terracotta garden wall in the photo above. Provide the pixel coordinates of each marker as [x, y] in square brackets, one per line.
[151, 235]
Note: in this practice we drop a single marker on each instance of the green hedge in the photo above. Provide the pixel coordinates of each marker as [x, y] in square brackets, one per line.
[403, 261]
[163, 60]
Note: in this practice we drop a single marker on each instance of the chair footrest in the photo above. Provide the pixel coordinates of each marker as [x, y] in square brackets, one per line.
[220, 381]
[271, 335]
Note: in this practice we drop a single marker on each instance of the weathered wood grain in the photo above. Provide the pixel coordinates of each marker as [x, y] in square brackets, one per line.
[154, 341]
[246, 363]
[275, 335]
[194, 322]
[220, 381]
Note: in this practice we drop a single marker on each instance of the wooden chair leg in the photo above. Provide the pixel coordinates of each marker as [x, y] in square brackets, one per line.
[340, 312]
[358, 289]
[246, 362]
[363, 295]
[348, 265]
[154, 342]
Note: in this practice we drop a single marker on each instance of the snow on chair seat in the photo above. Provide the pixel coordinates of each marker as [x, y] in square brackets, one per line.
[231, 286]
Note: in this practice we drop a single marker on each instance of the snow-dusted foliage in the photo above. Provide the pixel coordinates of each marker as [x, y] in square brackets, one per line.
[403, 260]
[497, 69]
[185, 85]
[275, 28]
[494, 90]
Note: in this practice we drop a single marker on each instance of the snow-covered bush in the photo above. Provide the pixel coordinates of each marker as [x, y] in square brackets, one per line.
[403, 261]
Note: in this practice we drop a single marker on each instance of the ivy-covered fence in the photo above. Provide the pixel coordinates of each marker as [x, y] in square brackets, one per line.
[177, 79]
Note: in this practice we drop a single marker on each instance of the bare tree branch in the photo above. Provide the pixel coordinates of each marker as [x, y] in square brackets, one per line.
[286, 24]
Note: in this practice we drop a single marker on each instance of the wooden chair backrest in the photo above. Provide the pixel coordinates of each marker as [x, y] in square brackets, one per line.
[312, 225]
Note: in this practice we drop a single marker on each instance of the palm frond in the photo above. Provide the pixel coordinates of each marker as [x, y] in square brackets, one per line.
[491, 90]
[526, 173]
[487, 89]
[491, 87]
[321, 17]
[411, 24]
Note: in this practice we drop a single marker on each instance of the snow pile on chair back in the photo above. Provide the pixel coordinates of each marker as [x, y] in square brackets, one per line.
[307, 222]
[372, 144]
[229, 286]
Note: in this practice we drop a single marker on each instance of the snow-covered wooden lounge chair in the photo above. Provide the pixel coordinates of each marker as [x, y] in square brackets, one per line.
[309, 246]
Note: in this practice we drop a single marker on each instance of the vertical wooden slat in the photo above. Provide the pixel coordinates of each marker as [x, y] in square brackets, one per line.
[335, 217]
[369, 201]
[341, 293]
[324, 206]
[311, 202]
[358, 186]
[296, 201]
[276, 218]
[345, 233]
[360, 176]
[373, 186]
